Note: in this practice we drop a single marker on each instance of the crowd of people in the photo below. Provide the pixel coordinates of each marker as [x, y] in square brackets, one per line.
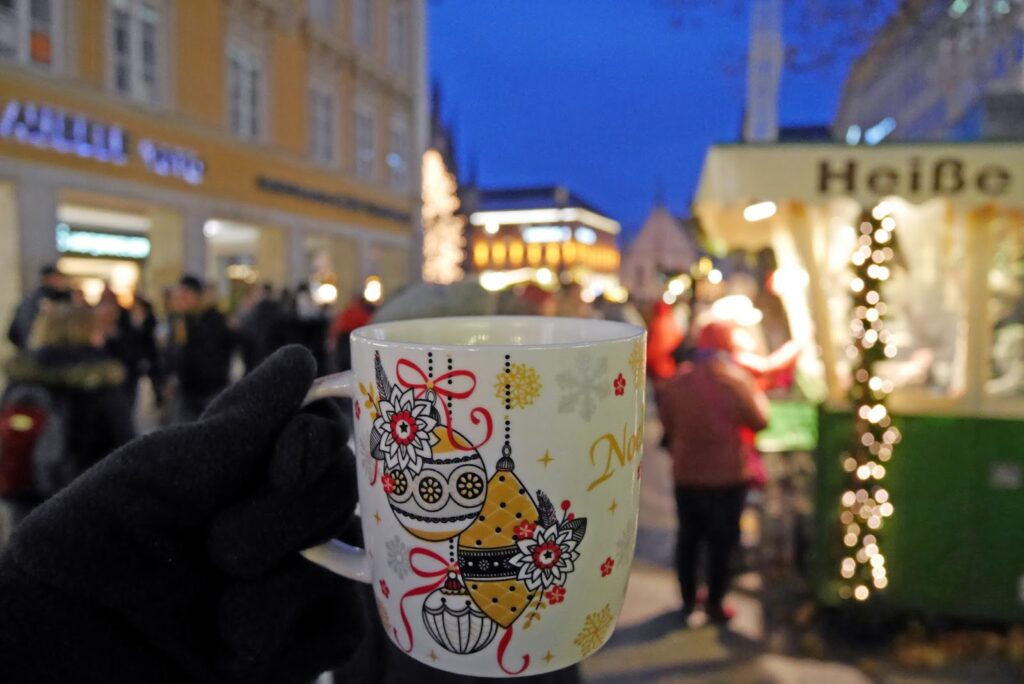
[72, 387]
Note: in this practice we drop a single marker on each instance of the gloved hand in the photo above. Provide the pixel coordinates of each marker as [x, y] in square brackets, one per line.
[175, 558]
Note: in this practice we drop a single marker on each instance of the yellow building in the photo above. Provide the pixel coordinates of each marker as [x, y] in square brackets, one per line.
[269, 140]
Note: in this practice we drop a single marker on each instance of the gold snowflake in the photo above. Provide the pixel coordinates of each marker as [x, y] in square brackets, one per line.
[595, 630]
[522, 383]
[636, 362]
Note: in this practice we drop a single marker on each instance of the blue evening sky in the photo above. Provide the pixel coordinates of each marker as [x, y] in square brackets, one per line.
[604, 96]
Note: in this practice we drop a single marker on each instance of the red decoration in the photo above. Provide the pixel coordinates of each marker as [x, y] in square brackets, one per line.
[384, 589]
[555, 595]
[606, 567]
[524, 530]
[437, 576]
[439, 386]
[620, 385]
[358, 410]
[388, 483]
[502, 647]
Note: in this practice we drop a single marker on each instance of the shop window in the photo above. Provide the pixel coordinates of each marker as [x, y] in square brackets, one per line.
[245, 91]
[1006, 313]
[366, 142]
[398, 38]
[136, 48]
[323, 131]
[924, 301]
[27, 31]
[398, 157]
[362, 23]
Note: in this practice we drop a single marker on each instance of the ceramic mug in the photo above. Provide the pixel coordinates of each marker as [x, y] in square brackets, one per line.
[499, 485]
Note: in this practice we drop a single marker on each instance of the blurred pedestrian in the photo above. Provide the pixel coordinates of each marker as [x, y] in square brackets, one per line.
[260, 326]
[355, 315]
[704, 408]
[199, 349]
[309, 325]
[70, 389]
[53, 286]
[663, 337]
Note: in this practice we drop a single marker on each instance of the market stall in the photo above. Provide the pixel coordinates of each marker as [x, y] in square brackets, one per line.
[901, 271]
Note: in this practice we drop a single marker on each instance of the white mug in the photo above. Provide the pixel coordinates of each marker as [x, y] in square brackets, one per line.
[499, 485]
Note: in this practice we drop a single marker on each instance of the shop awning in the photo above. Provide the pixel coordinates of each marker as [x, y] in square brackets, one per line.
[736, 176]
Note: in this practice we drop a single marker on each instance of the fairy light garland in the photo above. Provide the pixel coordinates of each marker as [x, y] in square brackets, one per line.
[865, 502]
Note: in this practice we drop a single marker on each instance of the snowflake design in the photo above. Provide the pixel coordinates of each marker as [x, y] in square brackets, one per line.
[546, 558]
[594, 631]
[523, 384]
[624, 545]
[584, 386]
[398, 553]
[636, 362]
[607, 566]
[406, 430]
[620, 385]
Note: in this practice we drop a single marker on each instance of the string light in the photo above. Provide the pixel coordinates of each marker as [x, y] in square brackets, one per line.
[443, 242]
[865, 504]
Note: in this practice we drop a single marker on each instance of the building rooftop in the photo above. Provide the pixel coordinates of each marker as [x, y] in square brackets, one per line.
[540, 197]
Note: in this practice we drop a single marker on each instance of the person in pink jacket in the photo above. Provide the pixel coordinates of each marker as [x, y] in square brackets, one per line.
[704, 409]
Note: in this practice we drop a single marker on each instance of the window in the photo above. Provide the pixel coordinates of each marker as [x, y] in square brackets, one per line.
[135, 49]
[27, 29]
[1006, 311]
[324, 11]
[399, 36]
[398, 156]
[362, 22]
[245, 91]
[323, 116]
[366, 142]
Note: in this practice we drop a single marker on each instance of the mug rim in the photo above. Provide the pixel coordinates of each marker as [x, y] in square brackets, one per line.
[617, 331]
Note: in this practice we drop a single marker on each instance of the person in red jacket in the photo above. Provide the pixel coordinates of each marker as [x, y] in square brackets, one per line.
[704, 408]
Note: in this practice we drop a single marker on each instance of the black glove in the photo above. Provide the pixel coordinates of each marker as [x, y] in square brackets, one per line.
[175, 558]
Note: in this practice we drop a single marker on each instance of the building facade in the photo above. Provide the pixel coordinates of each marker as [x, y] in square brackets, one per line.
[546, 235]
[241, 140]
[939, 70]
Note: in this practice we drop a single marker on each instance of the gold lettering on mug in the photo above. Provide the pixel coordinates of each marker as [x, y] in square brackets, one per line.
[623, 451]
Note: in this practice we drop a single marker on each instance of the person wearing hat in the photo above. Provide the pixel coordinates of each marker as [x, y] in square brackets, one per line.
[53, 286]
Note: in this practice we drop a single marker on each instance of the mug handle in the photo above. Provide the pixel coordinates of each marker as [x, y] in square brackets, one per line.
[338, 557]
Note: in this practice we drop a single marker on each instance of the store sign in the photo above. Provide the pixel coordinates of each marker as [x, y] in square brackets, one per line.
[54, 129]
[91, 243]
[942, 176]
[336, 200]
[51, 128]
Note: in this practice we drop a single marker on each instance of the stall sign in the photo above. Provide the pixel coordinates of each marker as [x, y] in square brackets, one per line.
[91, 243]
[54, 129]
[940, 176]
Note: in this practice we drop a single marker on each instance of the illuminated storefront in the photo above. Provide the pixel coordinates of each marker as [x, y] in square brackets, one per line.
[901, 269]
[545, 235]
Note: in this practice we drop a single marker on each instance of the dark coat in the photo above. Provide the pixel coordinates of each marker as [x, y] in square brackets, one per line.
[200, 352]
[88, 383]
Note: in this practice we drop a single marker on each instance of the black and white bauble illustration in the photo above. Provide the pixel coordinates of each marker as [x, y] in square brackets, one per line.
[446, 495]
[454, 621]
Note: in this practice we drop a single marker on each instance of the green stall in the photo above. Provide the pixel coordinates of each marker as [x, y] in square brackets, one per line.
[917, 369]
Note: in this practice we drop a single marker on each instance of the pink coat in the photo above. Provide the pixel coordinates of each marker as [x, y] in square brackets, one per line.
[703, 408]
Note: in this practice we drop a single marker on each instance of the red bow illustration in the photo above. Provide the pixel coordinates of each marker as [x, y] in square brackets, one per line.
[422, 384]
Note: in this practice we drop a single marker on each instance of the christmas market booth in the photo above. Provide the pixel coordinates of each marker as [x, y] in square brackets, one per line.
[901, 272]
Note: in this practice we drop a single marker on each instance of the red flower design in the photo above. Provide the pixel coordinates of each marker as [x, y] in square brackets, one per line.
[546, 555]
[384, 587]
[555, 595]
[403, 427]
[358, 410]
[388, 483]
[606, 567]
[620, 385]
[524, 530]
